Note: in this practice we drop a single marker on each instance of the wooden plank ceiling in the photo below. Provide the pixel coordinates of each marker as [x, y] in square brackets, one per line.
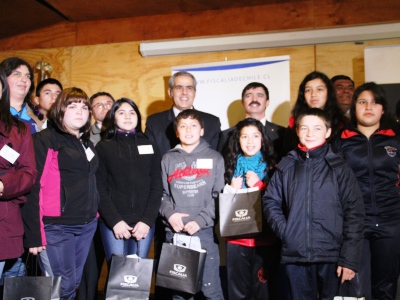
[22, 16]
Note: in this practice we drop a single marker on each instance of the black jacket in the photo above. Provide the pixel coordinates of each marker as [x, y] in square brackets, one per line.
[78, 198]
[314, 205]
[160, 130]
[129, 183]
[376, 164]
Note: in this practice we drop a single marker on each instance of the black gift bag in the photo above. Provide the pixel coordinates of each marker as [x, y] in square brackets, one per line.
[181, 269]
[240, 214]
[129, 278]
[350, 290]
[28, 287]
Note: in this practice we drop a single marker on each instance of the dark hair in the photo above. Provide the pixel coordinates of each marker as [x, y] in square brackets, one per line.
[331, 107]
[111, 128]
[234, 148]
[341, 77]
[317, 112]
[188, 114]
[39, 89]
[12, 63]
[57, 110]
[5, 114]
[380, 97]
[253, 85]
[94, 96]
[171, 80]
[47, 81]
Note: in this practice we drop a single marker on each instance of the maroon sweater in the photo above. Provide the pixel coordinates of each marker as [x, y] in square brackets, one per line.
[18, 179]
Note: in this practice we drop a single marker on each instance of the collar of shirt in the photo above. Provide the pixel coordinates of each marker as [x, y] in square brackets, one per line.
[22, 114]
[177, 111]
[264, 120]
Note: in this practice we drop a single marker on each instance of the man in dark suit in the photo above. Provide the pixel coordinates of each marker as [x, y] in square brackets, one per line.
[159, 127]
[255, 100]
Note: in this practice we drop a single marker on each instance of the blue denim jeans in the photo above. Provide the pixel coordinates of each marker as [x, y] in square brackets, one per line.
[2, 263]
[18, 268]
[65, 254]
[123, 246]
[312, 280]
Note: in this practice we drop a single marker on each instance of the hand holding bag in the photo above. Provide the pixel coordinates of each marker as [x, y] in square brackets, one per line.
[129, 278]
[350, 290]
[240, 213]
[181, 269]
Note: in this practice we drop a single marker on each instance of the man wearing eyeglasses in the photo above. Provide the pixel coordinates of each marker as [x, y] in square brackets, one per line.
[159, 127]
[101, 103]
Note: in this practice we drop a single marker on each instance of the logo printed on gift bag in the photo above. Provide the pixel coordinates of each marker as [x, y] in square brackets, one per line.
[130, 281]
[178, 270]
[241, 215]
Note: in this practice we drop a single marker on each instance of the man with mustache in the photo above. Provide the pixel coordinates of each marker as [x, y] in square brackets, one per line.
[255, 100]
[344, 89]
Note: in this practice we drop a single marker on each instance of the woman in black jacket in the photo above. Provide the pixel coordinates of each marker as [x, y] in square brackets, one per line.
[60, 214]
[372, 149]
[129, 182]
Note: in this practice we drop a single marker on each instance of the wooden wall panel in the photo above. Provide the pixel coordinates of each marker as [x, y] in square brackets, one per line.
[346, 58]
[59, 58]
[120, 70]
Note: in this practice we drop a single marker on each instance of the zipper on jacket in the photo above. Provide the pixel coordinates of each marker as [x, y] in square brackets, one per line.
[130, 164]
[371, 181]
[308, 180]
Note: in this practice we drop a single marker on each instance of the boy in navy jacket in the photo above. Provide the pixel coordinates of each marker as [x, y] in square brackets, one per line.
[314, 205]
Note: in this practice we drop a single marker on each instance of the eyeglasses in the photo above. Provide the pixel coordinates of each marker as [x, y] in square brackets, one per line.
[179, 88]
[106, 105]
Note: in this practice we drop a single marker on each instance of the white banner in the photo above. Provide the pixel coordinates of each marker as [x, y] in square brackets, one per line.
[220, 85]
[382, 64]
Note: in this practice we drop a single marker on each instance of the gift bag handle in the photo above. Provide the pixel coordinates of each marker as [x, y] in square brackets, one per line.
[355, 284]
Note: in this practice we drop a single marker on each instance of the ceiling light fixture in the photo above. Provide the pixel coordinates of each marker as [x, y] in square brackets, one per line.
[270, 40]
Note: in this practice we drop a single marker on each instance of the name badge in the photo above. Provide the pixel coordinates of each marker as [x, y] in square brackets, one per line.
[204, 163]
[145, 149]
[9, 154]
[89, 154]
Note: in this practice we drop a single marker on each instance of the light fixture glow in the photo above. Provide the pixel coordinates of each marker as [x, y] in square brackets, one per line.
[269, 40]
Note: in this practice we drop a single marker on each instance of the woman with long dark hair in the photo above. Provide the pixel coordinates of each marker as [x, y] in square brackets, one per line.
[20, 81]
[17, 175]
[371, 145]
[315, 91]
[129, 182]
